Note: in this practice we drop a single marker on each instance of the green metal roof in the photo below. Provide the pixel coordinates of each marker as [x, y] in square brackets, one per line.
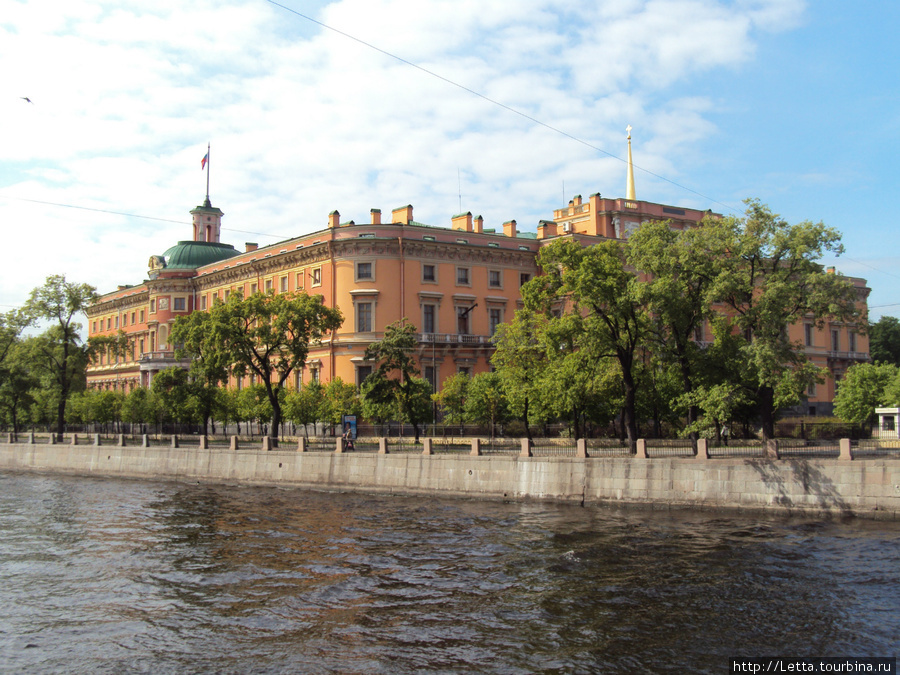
[189, 255]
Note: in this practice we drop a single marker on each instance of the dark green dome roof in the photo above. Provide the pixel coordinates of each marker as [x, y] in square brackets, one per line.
[189, 255]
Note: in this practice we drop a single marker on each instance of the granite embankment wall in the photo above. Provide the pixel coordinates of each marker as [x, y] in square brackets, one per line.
[867, 488]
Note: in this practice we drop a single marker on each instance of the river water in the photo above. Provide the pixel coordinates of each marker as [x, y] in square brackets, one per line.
[116, 576]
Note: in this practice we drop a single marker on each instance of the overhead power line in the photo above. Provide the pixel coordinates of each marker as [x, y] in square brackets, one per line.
[492, 101]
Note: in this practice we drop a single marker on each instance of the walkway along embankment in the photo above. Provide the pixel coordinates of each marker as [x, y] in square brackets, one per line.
[846, 485]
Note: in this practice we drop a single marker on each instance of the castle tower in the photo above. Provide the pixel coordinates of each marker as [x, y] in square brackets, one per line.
[207, 222]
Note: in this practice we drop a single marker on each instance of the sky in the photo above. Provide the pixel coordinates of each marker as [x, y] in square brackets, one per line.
[505, 109]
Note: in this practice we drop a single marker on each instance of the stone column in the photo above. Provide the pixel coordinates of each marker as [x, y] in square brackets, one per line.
[233, 444]
[772, 450]
[301, 444]
[427, 450]
[642, 449]
[382, 445]
[145, 441]
[204, 442]
[702, 448]
[339, 445]
[96, 439]
[121, 441]
[581, 448]
[845, 455]
[175, 441]
[476, 447]
[525, 450]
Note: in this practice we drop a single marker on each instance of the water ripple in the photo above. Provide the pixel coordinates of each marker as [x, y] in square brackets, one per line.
[109, 576]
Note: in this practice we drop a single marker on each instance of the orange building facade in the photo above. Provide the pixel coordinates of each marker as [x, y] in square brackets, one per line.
[455, 284]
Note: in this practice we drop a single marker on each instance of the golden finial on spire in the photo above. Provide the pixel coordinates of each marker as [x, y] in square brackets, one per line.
[629, 181]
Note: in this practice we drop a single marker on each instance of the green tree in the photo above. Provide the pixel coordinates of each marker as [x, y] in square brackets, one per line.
[864, 387]
[59, 352]
[340, 398]
[268, 335]
[486, 400]
[394, 354]
[209, 364]
[677, 276]
[452, 398]
[374, 410]
[304, 406]
[173, 387]
[253, 404]
[139, 407]
[884, 340]
[520, 358]
[595, 285]
[12, 324]
[16, 387]
[769, 277]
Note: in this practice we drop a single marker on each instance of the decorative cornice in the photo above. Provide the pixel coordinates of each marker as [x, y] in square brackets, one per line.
[271, 264]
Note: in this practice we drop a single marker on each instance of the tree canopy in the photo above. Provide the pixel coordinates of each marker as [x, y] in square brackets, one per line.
[59, 353]
[268, 335]
[396, 378]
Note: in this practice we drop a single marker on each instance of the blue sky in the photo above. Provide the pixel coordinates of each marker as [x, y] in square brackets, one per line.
[793, 103]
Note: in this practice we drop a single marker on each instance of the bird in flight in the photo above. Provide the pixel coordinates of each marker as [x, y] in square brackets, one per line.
[27, 100]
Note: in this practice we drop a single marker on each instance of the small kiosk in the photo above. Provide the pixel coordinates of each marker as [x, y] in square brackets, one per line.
[887, 423]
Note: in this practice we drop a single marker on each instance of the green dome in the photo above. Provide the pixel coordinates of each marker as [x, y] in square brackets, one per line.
[189, 255]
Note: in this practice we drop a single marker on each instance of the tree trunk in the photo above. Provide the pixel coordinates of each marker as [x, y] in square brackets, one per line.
[767, 412]
[525, 420]
[628, 409]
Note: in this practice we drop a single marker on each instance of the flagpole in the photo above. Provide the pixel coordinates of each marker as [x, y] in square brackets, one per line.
[207, 170]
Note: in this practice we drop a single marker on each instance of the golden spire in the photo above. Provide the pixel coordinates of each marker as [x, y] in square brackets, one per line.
[629, 181]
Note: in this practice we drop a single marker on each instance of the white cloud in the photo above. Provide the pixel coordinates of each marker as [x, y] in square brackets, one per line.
[303, 120]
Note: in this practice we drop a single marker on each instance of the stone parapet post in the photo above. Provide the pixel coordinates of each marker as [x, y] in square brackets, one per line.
[846, 454]
[702, 448]
[526, 448]
[121, 441]
[427, 449]
[74, 439]
[267, 444]
[301, 444]
[339, 445]
[476, 447]
[581, 448]
[145, 441]
[233, 443]
[52, 440]
[175, 441]
[382, 445]
[772, 450]
[30, 438]
[642, 449]
[97, 439]
[204, 442]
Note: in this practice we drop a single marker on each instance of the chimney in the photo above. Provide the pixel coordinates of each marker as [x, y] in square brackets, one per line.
[577, 201]
[250, 246]
[376, 216]
[463, 222]
[479, 224]
[546, 228]
[509, 228]
[334, 219]
[403, 215]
